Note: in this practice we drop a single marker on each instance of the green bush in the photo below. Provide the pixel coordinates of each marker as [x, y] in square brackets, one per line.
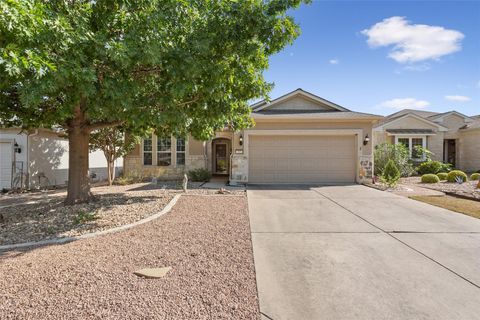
[429, 167]
[446, 167]
[430, 178]
[452, 176]
[390, 174]
[475, 176]
[398, 153]
[199, 175]
[442, 176]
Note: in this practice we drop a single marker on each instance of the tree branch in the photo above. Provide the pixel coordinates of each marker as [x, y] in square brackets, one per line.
[103, 124]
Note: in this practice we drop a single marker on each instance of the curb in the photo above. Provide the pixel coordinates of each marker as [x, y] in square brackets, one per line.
[165, 210]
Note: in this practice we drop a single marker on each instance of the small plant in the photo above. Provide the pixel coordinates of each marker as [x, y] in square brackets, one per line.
[430, 178]
[442, 176]
[446, 167]
[398, 153]
[390, 174]
[475, 176]
[452, 176]
[199, 175]
[83, 217]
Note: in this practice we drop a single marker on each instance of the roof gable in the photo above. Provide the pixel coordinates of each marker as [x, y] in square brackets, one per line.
[440, 117]
[298, 100]
[410, 121]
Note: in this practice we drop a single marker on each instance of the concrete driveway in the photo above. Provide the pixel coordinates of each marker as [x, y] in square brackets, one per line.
[352, 252]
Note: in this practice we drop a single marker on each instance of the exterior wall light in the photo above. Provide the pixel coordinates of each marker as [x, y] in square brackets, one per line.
[240, 140]
[17, 148]
[366, 140]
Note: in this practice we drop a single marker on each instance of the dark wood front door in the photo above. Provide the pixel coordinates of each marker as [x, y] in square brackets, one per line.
[221, 158]
[450, 151]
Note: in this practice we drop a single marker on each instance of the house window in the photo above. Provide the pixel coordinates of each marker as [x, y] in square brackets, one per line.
[180, 151]
[164, 151]
[147, 151]
[411, 143]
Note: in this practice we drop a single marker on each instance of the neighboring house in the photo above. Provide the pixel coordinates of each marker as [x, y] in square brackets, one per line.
[452, 137]
[39, 159]
[298, 138]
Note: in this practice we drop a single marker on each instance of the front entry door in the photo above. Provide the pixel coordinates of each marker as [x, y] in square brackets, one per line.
[221, 158]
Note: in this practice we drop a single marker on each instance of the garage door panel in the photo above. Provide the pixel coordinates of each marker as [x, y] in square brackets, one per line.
[302, 159]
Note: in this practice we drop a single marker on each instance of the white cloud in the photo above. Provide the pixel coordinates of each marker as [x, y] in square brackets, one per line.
[334, 61]
[405, 103]
[413, 42]
[457, 98]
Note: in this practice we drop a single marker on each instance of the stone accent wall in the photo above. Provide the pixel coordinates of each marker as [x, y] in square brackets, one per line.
[365, 168]
[133, 166]
[239, 169]
[435, 145]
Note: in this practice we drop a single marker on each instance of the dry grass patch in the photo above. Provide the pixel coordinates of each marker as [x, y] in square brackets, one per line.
[468, 207]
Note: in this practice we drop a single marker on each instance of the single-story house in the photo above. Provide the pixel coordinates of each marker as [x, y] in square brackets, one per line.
[39, 158]
[452, 137]
[297, 138]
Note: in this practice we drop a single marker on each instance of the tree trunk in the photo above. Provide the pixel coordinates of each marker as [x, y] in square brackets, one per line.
[111, 171]
[78, 181]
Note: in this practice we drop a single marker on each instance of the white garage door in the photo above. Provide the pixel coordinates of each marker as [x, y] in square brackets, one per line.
[5, 165]
[301, 159]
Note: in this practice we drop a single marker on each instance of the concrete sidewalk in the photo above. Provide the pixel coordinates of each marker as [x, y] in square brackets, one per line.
[352, 252]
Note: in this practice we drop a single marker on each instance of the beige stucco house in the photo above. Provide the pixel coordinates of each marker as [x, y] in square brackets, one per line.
[298, 138]
[451, 136]
[39, 158]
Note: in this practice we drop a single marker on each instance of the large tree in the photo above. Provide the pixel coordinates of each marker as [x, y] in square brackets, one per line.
[178, 66]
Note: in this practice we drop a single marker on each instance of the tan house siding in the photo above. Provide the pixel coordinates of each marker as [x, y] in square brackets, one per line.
[409, 123]
[435, 145]
[469, 151]
[299, 103]
[453, 122]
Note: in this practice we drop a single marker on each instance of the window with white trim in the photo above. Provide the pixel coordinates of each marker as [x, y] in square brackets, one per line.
[164, 151]
[147, 151]
[180, 151]
[411, 142]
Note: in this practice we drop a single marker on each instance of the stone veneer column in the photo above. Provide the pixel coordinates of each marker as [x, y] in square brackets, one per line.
[239, 169]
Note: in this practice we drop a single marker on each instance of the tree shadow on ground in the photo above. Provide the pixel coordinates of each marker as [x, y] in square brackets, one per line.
[50, 218]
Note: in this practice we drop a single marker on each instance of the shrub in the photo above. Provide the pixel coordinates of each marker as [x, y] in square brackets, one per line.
[430, 178]
[398, 153]
[452, 176]
[390, 174]
[199, 175]
[475, 176]
[429, 167]
[446, 167]
[442, 176]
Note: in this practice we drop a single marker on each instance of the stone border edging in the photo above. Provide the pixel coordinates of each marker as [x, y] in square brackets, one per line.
[165, 210]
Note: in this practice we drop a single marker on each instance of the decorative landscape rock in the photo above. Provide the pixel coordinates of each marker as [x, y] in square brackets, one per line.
[153, 273]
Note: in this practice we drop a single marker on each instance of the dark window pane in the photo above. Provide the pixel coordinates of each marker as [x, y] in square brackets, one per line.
[180, 144]
[147, 144]
[164, 159]
[404, 141]
[147, 158]
[180, 158]
[164, 144]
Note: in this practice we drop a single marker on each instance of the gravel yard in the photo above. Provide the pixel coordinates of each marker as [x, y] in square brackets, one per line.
[205, 239]
[467, 189]
[48, 218]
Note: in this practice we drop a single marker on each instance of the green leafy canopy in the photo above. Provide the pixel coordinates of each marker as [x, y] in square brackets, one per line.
[175, 66]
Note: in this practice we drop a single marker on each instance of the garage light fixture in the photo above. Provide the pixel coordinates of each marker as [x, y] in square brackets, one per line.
[17, 148]
[366, 140]
[240, 140]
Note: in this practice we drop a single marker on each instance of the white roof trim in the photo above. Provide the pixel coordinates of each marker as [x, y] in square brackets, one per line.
[442, 116]
[382, 126]
[263, 104]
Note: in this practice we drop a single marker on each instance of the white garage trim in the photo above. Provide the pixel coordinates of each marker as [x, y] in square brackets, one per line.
[309, 132]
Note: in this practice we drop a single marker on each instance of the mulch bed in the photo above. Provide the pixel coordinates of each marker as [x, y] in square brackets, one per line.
[205, 239]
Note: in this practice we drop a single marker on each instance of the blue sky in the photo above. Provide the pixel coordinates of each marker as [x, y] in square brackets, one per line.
[378, 56]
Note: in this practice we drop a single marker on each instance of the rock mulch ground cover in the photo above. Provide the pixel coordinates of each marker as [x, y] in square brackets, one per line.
[47, 217]
[467, 189]
[205, 239]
